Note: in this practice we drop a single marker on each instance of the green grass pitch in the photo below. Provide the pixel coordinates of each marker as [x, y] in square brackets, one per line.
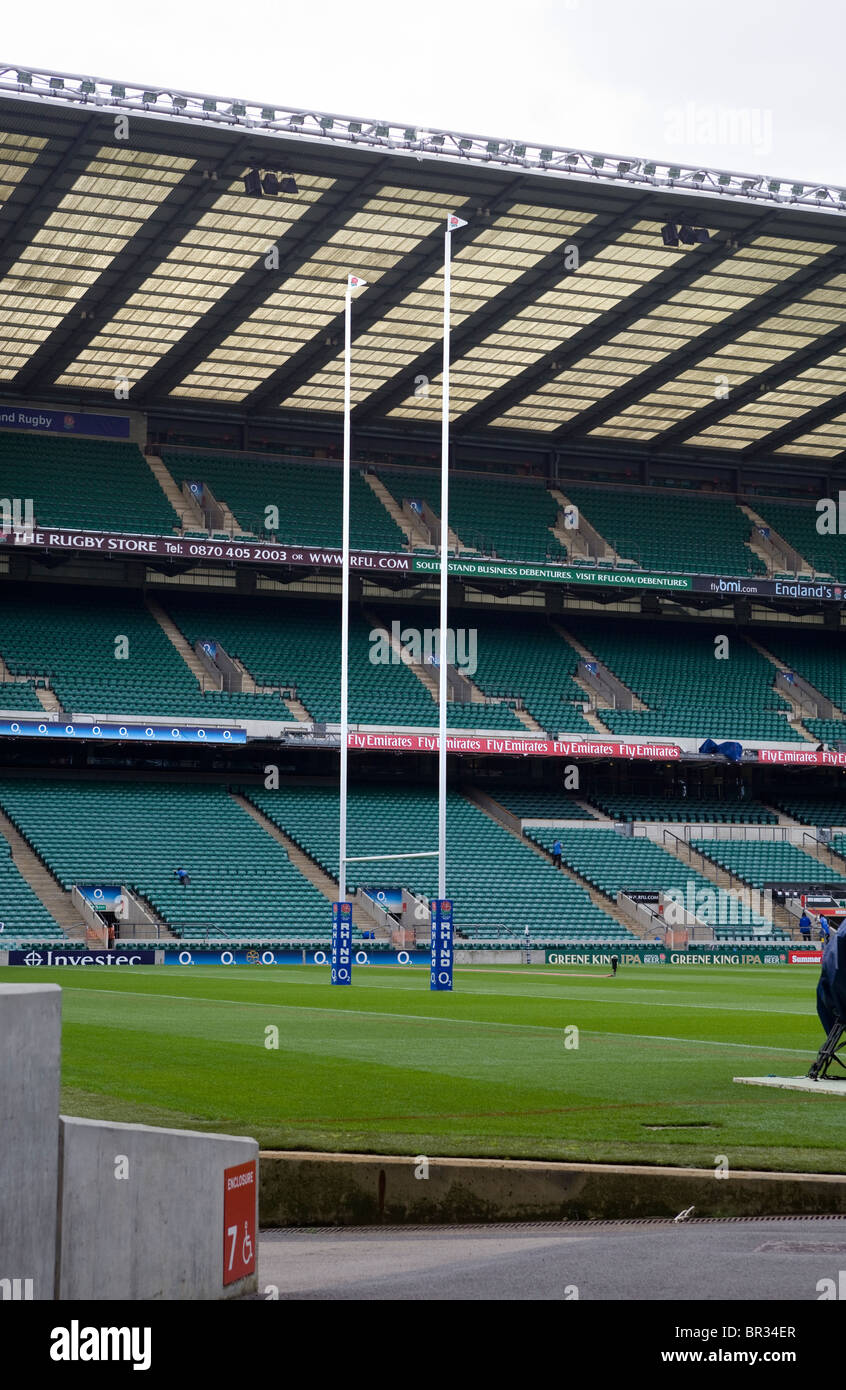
[387, 1066]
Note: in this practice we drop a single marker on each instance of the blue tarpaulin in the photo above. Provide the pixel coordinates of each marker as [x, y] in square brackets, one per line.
[732, 751]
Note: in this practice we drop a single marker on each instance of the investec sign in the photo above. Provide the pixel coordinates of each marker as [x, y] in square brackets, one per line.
[526, 747]
[53, 958]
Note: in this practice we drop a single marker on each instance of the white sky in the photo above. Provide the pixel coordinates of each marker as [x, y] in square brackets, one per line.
[749, 85]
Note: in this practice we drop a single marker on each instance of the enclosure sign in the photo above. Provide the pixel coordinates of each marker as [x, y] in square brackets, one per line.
[240, 1192]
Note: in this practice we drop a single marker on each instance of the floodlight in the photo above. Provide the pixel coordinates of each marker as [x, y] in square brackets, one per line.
[252, 183]
[669, 235]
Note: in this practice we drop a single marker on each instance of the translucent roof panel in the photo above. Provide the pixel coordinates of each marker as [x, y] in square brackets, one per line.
[600, 286]
[826, 441]
[774, 409]
[104, 208]
[498, 254]
[746, 357]
[234, 234]
[145, 262]
[392, 222]
[17, 154]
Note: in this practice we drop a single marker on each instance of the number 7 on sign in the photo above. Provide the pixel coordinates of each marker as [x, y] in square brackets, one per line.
[232, 1232]
[246, 1245]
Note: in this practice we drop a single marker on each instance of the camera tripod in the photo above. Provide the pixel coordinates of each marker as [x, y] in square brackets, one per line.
[828, 1052]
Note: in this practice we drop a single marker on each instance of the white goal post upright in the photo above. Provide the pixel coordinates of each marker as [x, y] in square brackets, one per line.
[342, 916]
[442, 938]
[452, 223]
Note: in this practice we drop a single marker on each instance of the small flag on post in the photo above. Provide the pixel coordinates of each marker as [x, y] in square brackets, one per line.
[453, 222]
[355, 282]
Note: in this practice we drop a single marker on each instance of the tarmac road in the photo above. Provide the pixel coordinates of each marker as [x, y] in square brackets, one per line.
[776, 1258]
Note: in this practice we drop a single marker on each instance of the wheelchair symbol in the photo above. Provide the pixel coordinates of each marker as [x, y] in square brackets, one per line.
[246, 1247]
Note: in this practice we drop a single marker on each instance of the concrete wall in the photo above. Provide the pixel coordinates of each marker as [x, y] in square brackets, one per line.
[30, 1052]
[306, 1189]
[156, 1233]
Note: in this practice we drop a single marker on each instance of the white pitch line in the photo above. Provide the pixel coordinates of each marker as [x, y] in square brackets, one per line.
[379, 983]
[434, 1018]
[562, 995]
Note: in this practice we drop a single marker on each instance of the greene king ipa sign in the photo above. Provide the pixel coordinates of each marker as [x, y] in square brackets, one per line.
[239, 1221]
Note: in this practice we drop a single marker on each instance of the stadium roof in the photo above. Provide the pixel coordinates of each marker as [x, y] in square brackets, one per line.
[130, 252]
